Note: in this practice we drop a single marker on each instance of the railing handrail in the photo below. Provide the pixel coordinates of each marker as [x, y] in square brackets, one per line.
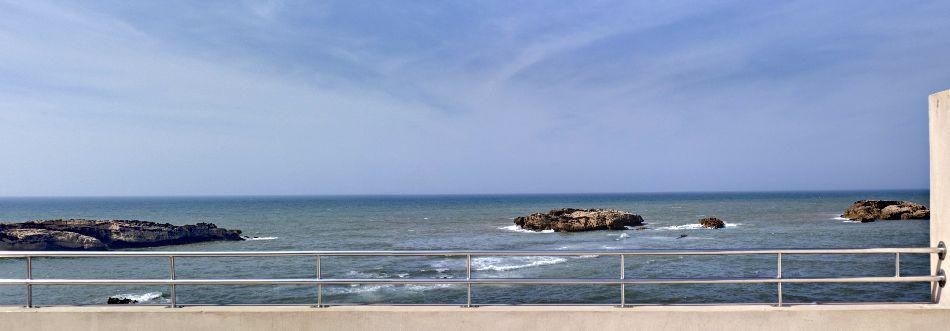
[485, 281]
[935, 278]
[754, 251]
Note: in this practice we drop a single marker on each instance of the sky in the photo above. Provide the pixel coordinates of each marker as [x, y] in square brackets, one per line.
[132, 98]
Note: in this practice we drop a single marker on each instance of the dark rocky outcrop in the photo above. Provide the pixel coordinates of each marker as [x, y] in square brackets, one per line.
[869, 210]
[41, 239]
[120, 301]
[570, 220]
[81, 234]
[712, 223]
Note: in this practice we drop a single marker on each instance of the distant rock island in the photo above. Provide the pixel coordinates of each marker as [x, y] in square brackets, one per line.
[869, 210]
[82, 234]
[572, 220]
[712, 223]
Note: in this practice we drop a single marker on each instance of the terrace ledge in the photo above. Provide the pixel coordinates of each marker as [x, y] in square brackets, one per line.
[687, 317]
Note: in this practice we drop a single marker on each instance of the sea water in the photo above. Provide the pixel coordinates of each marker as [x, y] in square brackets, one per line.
[485, 222]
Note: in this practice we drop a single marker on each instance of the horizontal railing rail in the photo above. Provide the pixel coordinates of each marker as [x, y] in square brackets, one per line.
[914, 250]
[935, 278]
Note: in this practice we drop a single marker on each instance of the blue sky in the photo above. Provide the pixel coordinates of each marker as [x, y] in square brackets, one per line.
[416, 97]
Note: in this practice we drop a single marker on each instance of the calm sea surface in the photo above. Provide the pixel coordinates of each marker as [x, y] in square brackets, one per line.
[756, 220]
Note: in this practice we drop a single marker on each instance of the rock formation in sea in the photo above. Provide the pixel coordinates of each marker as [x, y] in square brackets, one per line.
[81, 234]
[120, 301]
[712, 223]
[571, 219]
[869, 210]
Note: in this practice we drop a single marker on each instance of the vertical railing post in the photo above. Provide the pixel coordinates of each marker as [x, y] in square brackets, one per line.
[897, 264]
[29, 287]
[623, 286]
[173, 296]
[319, 286]
[468, 279]
[779, 276]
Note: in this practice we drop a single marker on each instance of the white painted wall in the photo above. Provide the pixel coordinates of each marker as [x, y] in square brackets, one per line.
[940, 180]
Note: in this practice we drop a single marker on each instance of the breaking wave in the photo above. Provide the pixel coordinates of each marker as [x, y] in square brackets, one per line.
[515, 262]
[516, 228]
[140, 298]
[694, 226]
[357, 288]
[260, 238]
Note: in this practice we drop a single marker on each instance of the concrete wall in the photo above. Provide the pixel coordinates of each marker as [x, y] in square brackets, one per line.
[909, 317]
[940, 180]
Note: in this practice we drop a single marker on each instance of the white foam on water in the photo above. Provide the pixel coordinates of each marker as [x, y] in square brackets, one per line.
[440, 266]
[357, 288]
[516, 262]
[360, 288]
[516, 228]
[622, 236]
[682, 227]
[420, 288]
[140, 298]
[839, 218]
[694, 226]
[363, 275]
[260, 238]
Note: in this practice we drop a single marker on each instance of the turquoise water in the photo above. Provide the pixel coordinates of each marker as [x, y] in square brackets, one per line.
[756, 220]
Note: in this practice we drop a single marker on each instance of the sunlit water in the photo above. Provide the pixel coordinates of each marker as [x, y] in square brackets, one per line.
[756, 220]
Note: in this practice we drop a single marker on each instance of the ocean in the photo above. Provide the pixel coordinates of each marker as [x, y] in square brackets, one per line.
[485, 222]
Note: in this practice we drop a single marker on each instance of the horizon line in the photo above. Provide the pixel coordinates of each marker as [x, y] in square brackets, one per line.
[457, 194]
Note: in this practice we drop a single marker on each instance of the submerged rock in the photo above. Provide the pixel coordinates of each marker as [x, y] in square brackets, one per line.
[120, 301]
[869, 210]
[571, 220]
[81, 234]
[712, 223]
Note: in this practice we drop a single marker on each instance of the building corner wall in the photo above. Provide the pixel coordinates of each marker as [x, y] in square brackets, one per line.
[940, 181]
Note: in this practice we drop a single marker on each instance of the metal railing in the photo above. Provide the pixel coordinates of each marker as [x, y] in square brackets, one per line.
[937, 279]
